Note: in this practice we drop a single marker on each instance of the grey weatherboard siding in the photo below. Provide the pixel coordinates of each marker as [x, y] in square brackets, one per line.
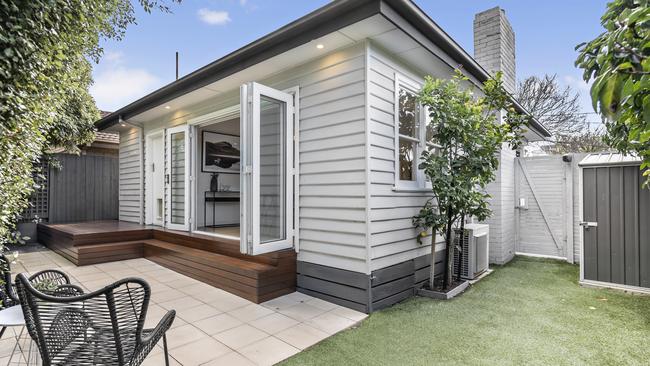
[367, 293]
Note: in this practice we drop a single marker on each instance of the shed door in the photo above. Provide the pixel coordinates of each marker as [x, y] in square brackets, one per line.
[267, 123]
[616, 226]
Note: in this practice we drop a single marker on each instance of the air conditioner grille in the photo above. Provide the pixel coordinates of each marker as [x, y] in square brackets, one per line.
[463, 242]
[474, 245]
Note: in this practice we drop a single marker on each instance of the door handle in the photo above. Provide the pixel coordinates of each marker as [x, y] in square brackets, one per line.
[588, 224]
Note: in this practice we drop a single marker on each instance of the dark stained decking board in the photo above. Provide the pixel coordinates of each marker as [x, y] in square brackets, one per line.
[211, 260]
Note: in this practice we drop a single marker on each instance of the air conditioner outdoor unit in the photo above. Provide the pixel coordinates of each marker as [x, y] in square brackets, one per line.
[475, 245]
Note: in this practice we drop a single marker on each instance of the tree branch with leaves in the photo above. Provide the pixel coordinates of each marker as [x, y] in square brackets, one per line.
[45, 71]
[618, 62]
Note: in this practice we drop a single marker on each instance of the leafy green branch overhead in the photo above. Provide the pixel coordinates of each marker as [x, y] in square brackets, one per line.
[46, 49]
[618, 63]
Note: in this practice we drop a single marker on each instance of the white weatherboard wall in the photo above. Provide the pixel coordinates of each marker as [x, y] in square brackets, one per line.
[350, 217]
[502, 222]
[392, 235]
[556, 183]
[548, 181]
[332, 154]
[131, 182]
[332, 140]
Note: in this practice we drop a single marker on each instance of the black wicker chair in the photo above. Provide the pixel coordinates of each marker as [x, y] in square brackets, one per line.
[51, 280]
[104, 327]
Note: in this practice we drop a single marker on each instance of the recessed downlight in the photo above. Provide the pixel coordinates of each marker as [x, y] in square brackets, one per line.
[320, 46]
[168, 107]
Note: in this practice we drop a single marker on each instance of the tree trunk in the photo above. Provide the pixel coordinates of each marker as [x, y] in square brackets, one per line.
[432, 270]
[449, 267]
[462, 251]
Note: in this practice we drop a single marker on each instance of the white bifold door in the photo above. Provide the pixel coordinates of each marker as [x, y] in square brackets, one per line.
[177, 178]
[267, 164]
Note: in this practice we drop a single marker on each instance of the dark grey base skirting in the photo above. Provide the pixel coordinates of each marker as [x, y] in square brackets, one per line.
[362, 292]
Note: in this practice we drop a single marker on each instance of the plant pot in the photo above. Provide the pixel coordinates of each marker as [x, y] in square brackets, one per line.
[442, 295]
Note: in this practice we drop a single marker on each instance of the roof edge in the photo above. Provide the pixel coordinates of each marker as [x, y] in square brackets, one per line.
[322, 21]
[428, 27]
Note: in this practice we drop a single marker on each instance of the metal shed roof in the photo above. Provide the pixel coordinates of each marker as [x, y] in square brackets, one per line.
[609, 159]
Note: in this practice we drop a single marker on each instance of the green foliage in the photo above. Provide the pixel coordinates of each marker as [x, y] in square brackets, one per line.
[45, 51]
[618, 62]
[469, 136]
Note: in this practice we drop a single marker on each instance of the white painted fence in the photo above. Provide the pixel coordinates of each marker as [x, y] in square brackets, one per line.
[547, 206]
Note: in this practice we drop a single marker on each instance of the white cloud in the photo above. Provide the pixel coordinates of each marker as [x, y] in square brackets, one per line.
[577, 84]
[115, 87]
[113, 57]
[214, 17]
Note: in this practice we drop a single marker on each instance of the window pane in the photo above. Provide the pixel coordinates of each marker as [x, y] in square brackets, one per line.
[408, 113]
[177, 178]
[430, 131]
[272, 170]
[406, 160]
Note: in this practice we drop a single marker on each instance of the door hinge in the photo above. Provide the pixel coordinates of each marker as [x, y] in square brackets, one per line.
[248, 169]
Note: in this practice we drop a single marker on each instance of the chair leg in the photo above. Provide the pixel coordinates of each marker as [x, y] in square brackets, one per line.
[165, 347]
[2, 331]
[16, 346]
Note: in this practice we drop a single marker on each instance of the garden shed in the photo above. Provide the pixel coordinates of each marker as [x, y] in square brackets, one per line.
[615, 223]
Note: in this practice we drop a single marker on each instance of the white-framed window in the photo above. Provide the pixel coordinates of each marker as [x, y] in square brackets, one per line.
[413, 131]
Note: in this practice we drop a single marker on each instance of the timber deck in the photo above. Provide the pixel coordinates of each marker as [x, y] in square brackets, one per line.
[212, 260]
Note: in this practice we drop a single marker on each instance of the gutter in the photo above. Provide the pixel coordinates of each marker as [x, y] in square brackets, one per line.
[423, 23]
[316, 24]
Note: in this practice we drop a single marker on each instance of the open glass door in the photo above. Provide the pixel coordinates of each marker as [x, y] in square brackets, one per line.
[267, 123]
[177, 178]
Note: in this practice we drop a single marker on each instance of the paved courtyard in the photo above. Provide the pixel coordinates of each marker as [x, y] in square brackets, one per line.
[212, 327]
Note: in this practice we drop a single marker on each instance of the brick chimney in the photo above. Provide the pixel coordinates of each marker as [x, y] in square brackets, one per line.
[494, 45]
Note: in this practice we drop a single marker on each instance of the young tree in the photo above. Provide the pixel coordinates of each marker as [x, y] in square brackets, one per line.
[618, 62]
[469, 136]
[45, 73]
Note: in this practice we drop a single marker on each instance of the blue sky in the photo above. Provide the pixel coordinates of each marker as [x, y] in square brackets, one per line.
[204, 30]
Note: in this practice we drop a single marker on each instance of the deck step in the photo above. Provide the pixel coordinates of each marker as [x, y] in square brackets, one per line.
[224, 246]
[236, 265]
[254, 281]
[211, 260]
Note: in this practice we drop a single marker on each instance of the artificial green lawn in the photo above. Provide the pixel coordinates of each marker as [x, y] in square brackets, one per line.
[531, 311]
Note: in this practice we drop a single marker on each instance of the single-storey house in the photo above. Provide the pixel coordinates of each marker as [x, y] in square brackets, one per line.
[302, 146]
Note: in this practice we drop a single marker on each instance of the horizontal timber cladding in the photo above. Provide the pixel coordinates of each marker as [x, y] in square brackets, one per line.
[332, 157]
[392, 237]
[130, 176]
[362, 292]
[332, 200]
